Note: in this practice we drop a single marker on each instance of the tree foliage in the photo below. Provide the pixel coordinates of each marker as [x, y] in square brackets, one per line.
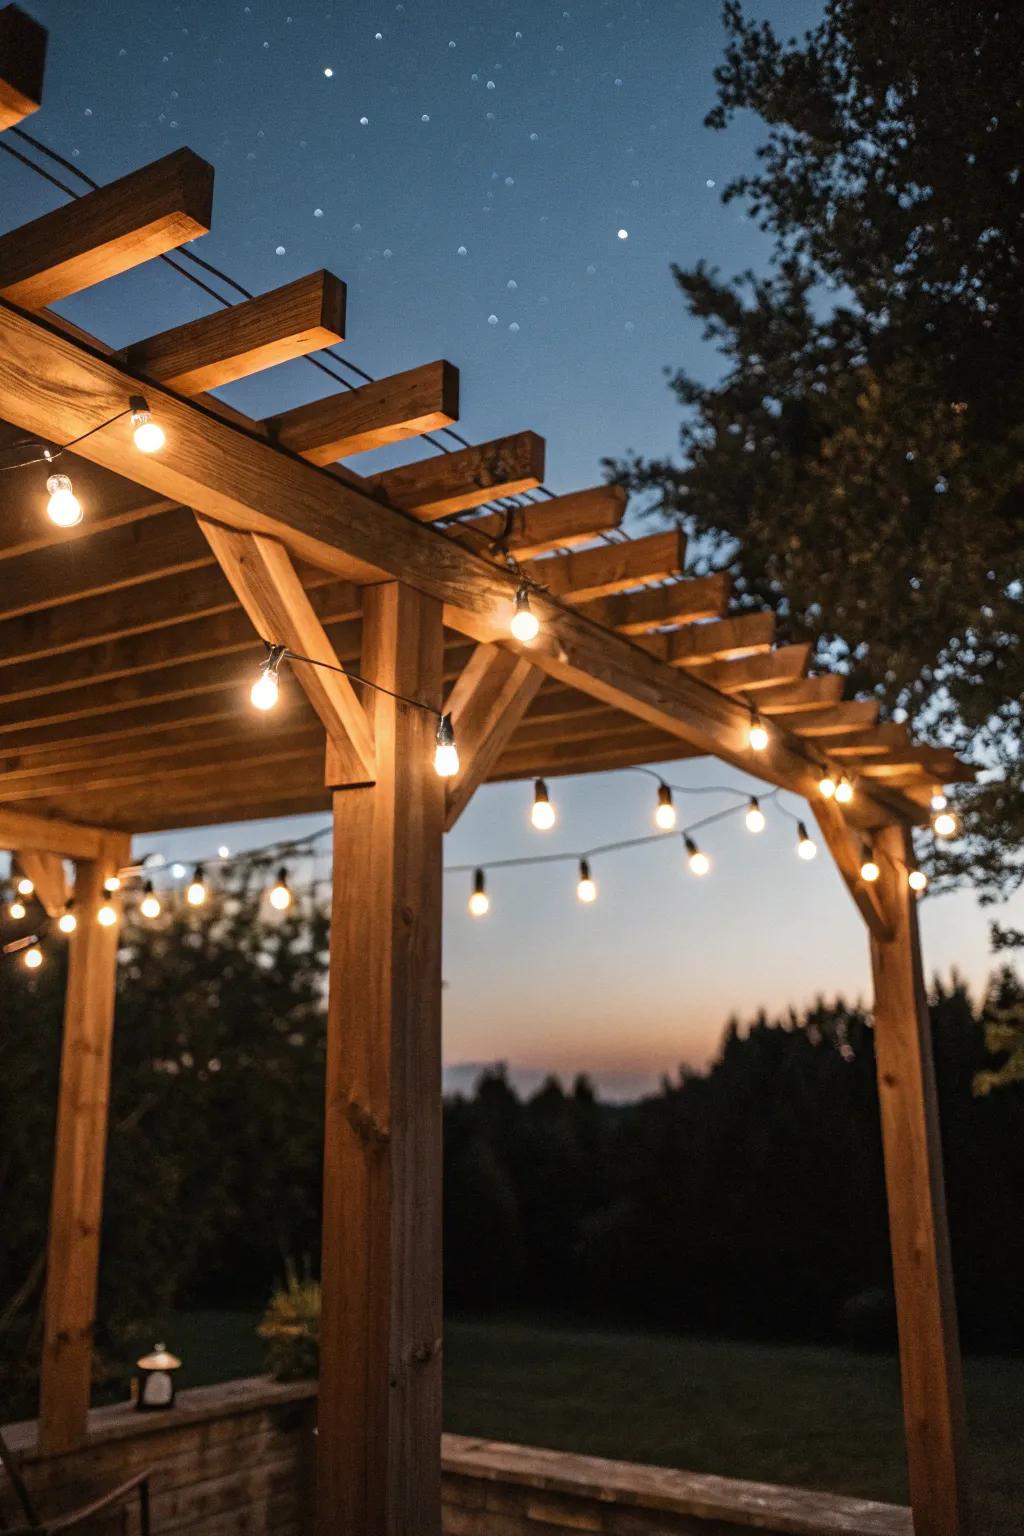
[858, 463]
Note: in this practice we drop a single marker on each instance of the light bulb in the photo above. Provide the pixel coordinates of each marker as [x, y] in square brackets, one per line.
[586, 887]
[196, 893]
[479, 901]
[107, 915]
[806, 847]
[844, 791]
[827, 784]
[699, 862]
[150, 904]
[63, 507]
[147, 434]
[17, 909]
[33, 957]
[939, 801]
[945, 824]
[68, 922]
[665, 815]
[542, 812]
[446, 753]
[757, 734]
[25, 886]
[525, 624]
[279, 896]
[266, 689]
[754, 817]
[917, 879]
[869, 870]
[112, 883]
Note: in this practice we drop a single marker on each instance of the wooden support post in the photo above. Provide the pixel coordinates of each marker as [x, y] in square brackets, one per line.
[79, 1157]
[933, 1406]
[380, 1367]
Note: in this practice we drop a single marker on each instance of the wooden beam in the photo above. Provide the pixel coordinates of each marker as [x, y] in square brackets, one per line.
[933, 1398]
[80, 1153]
[454, 482]
[684, 602]
[878, 741]
[803, 698]
[267, 586]
[386, 411]
[592, 573]
[46, 871]
[487, 704]
[639, 744]
[785, 665]
[233, 343]
[845, 848]
[542, 527]
[47, 834]
[142, 215]
[22, 61]
[379, 1424]
[749, 634]
[836, 719]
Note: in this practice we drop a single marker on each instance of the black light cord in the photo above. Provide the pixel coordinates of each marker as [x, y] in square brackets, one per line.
[50, 455]
[355, 677]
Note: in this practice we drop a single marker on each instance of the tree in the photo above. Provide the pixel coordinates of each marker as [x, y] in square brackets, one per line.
[858, 464]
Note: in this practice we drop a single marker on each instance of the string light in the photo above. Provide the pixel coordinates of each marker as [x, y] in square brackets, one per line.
[525, 624]
[196, 893]
[279, 896]
[25, 886]
[757, 733]
[699, 862]
[147, 434]
[112, 883]
[479, 901]
[917, 879]
[68, 922]
[63, 507]
[945, 824]
[806, 847]
[939, 801]
[869, 869]
[150, 904]
[266, 689]
[446, 753]
[33, 957]
[844, 791]
[665, 815]
[755, 816]
[542, 812]
[17, 909]
[107, 915]
[827, 785]
[586, 886]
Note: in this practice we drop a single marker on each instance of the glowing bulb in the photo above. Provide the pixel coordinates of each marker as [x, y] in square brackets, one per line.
[150, 904]
[827, 784]
[542, 812]
[196, 893]
[525, 624]
[25, 886]
[699, 862]
[446, 753]
[869, 870]
[757, 734]
[17, 909]
[265, 690]
[479, 901]
[112, 883]
[939, 801]
[586, 887]
[147, 434]
[844, 791]
[665, 812]
[945, 824]
[33, 957]
[806, 847]
[280, 897]
[68, 922]
[755, 817]
[917, 879]
[107, 915]
[63, 507]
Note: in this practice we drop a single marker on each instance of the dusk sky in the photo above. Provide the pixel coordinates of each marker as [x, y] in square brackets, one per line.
[505, 185]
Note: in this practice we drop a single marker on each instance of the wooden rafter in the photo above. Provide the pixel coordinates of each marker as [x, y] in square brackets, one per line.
[835, 719]
[806, 696]
[540, 528]
[456, 482]
[719, 640]
[50, 834]
[387, 411]
[785, 665]
[490, 698]
[22, 61]
[684, 602]
[593, 573]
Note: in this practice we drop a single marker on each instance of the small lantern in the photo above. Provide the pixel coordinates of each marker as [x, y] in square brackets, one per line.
[155, 1382]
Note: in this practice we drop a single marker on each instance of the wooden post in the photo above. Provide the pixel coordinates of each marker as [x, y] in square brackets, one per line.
[933, 1405]
[79, 1158]
[379, 1468]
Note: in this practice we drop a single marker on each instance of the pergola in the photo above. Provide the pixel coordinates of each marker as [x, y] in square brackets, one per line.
[127, 645]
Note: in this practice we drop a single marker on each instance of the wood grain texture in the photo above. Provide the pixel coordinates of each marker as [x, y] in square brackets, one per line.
[142, 215]
[258, 333]
[845, 849]
[542, 527]
[718, 640]
[785, 665]
[454, 482]
[378, 1461]
[50, 834]
[387, 411]
[46, 871]
[684, 602]
[587, 574]
[487, 705]
[22, 63]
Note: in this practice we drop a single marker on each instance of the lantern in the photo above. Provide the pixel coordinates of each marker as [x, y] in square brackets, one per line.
[154, 1385]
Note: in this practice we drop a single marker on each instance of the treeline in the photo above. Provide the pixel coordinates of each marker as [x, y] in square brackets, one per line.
[749, 1200]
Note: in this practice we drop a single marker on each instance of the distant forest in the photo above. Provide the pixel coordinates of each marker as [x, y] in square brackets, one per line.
[745, 1201]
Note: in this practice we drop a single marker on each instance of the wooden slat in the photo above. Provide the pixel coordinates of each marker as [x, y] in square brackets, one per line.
[879, 741]
[542, 527]
[638, 744]
[454, 482]
[720, 640]
[262, 574]
[801, 699]
[46, 871]
[230, 344]
[836, 719]
[357, 420]
[22, 61]
[684, 602]
[150, 211]
[785, 665]
[49, 834]
[492, 695]
[379, 1424]
[587, 574]
[294, 788]
[25, 527]
[933, 1395]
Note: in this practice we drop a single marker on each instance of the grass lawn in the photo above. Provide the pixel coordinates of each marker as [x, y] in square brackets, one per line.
[813, 1417]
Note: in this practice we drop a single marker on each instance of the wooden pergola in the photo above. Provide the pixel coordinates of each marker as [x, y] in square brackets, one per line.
[127, 645]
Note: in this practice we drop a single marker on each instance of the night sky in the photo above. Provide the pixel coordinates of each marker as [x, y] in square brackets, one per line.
[505, 185]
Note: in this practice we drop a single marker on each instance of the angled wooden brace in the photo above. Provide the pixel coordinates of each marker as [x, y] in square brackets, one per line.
[845, 850]
[490, 698]
[46, 871]
[267, 585]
